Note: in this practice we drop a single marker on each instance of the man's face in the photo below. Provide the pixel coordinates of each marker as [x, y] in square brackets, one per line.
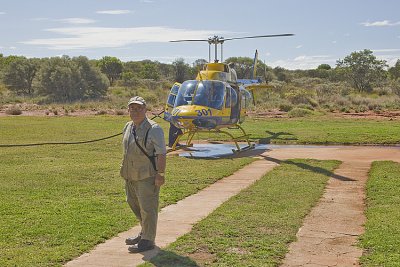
[137, 112]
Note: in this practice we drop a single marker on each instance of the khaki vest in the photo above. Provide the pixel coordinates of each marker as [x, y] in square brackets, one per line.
[136, 165]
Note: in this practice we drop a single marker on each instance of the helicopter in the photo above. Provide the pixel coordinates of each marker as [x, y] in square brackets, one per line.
[216, 100]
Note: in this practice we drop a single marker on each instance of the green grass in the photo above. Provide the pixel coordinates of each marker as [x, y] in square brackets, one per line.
[310, 130]
[255, 227]
[323, 130]
[381, 241]
[57, 202]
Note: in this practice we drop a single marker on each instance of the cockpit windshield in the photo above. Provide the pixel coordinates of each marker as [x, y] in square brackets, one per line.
[202, 93]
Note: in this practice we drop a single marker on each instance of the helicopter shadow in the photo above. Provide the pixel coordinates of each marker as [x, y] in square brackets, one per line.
[311, 168]
[216, 150]
[284, 136]
[162, 258]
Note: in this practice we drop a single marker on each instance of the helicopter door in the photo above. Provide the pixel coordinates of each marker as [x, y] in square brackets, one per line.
[235, 106]
[171, 101]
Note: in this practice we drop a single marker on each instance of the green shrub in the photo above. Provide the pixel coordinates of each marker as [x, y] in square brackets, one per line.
[361, 108]
[299, 112]
[285, 107]
[305, 106]
[382, 91]
[13, 111]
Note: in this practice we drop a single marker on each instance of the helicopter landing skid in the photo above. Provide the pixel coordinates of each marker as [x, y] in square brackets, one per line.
[190, 134]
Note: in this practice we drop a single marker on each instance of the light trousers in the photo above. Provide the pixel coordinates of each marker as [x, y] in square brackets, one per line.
[142, 196]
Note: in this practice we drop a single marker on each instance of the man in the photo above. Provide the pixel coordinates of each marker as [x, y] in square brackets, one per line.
[143, 168]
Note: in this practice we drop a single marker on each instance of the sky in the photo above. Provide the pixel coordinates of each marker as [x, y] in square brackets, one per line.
[132, 30]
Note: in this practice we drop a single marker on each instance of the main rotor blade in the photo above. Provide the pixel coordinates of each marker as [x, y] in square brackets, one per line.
[259, 36]
[189, 40]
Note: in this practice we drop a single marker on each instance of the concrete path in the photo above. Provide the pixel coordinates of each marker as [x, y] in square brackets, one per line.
[329, 233]
[174, 220]
[327, 237]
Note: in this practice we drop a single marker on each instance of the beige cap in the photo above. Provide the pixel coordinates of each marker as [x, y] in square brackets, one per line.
[137, 100]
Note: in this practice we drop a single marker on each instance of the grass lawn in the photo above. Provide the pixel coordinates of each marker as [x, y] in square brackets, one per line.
[58, 201]
[381, 241]
[323, 130]
[255, 227]
[319, 130]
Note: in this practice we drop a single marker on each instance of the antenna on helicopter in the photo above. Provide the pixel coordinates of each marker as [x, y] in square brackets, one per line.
[215, 40]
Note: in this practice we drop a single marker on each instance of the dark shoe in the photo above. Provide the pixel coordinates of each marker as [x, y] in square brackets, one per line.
[143, 245]
[133, 240]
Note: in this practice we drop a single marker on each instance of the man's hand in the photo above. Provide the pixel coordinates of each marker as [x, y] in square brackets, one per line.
[160, 180]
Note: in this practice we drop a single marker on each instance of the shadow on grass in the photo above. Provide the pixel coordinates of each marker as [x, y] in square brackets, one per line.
[311, 168]
[276, 136]
[166, 258]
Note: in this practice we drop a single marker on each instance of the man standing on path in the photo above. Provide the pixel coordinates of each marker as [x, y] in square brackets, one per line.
[143, 168]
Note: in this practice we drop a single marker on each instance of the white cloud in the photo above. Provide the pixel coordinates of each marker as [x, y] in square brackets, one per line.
[77, 21]
[162, 59]
[334, 42]
[391, 55]
[382, 23]
[385, 50]
[299, 46]
[2, 13]
[147, 1]
[304, 62]
[114, 12]
[97, 37]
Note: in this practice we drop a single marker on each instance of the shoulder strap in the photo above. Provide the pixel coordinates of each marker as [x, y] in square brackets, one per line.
[145, 138]
[151, 158]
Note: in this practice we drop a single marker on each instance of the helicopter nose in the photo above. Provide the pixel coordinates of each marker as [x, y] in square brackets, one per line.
[203, 123]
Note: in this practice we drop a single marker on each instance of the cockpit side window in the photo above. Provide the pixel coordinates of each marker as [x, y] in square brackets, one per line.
[185, 93]
[228, 97]
[216, 94]
[172, 95]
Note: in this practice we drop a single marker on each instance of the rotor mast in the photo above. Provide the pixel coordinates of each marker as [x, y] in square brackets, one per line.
[215, 40]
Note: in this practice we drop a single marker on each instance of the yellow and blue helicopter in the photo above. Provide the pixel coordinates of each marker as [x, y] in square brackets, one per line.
[215, 100]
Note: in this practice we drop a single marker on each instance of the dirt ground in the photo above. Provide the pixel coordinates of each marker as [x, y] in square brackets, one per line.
[37, 110]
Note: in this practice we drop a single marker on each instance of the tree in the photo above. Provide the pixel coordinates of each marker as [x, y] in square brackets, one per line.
[198, 64]
[19, 75]
[150, 71]
[182, 70]
[324, 67]
[167, 71]
[112, 67]
[394, 72]
[362, 70]
[242, 65]
[281, 74]
[60, 80]
[94, 83]
[65, 79]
